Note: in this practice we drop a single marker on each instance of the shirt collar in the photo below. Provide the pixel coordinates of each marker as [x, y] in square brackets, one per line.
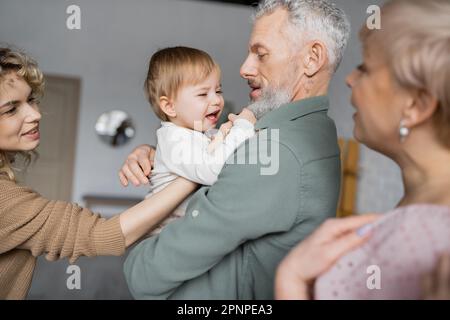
[292, 111]
[168, 124]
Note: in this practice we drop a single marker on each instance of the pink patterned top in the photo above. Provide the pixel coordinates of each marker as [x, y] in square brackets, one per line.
[405, 245]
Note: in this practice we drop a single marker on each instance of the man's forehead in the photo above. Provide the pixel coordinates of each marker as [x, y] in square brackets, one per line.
[268, 28]
[275, 17]
[262, 35]
[269, 39]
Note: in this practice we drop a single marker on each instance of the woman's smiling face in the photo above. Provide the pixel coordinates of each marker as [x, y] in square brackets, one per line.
[19, 115]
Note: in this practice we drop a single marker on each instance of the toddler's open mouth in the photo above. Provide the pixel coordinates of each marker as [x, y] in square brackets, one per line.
[213, 116]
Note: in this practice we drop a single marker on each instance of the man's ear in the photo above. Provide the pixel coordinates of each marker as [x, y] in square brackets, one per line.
[167, 106]
[421, 107]
[315, 58]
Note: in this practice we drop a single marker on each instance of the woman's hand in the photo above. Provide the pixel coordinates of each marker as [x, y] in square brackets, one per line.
[137, 166]
[146, 215]
[316, 254]
[437, 284]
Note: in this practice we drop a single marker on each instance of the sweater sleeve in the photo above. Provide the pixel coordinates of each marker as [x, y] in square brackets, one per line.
[59, 229]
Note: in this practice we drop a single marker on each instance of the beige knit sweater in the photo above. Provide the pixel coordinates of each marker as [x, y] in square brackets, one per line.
[31, 225]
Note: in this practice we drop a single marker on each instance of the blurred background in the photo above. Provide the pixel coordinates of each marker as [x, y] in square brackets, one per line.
[101, 68]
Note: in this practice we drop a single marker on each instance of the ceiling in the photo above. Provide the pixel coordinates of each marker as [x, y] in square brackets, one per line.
[241, 2]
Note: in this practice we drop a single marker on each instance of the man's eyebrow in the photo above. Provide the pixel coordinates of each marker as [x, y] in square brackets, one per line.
[257, 46]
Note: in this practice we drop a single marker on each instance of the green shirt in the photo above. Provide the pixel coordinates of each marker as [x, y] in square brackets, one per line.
[236, 231]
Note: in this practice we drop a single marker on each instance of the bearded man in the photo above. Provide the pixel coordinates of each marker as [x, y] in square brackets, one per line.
[236, 231]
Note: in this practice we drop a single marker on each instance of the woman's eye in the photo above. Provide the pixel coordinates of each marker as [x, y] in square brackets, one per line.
[11, 111]
[219, 91]
[33, 101]
[361, 68]
[202, 94]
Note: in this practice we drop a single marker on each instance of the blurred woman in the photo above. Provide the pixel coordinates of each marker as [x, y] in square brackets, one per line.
[402, 99]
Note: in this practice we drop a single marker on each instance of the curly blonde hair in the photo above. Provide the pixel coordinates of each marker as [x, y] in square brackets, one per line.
[24, 66]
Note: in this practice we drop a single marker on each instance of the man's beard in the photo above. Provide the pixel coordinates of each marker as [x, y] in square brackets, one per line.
[269, 100]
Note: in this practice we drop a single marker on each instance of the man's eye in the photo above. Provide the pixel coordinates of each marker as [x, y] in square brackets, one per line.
[261, 55]
[219, 91]
[202, 94]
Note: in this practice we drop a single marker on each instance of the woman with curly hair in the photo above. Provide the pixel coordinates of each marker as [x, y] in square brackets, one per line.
[31, 225]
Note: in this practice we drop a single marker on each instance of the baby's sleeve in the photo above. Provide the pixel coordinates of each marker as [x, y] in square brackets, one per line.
[185, 152]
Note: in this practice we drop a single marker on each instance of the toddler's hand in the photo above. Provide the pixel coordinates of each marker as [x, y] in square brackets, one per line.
[220, 136]
[225, 128]
[245, 114]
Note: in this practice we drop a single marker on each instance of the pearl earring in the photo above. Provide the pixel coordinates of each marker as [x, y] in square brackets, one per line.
[403, 131]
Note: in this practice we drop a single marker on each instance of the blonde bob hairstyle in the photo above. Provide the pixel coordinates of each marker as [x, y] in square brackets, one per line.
[414, 39]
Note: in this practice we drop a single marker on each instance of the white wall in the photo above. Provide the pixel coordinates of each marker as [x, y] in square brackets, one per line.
[110, 54]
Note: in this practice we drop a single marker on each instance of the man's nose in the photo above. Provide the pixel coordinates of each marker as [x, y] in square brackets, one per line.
[248, 70]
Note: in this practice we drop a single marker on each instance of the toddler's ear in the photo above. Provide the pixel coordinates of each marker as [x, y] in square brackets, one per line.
[166, 105]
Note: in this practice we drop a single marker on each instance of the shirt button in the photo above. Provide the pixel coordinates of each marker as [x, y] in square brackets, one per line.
[195, 213]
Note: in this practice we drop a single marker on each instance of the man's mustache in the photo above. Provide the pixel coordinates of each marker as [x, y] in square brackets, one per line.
[253, 84]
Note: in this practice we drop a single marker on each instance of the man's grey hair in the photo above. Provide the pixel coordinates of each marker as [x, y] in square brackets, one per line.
[314, 19]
